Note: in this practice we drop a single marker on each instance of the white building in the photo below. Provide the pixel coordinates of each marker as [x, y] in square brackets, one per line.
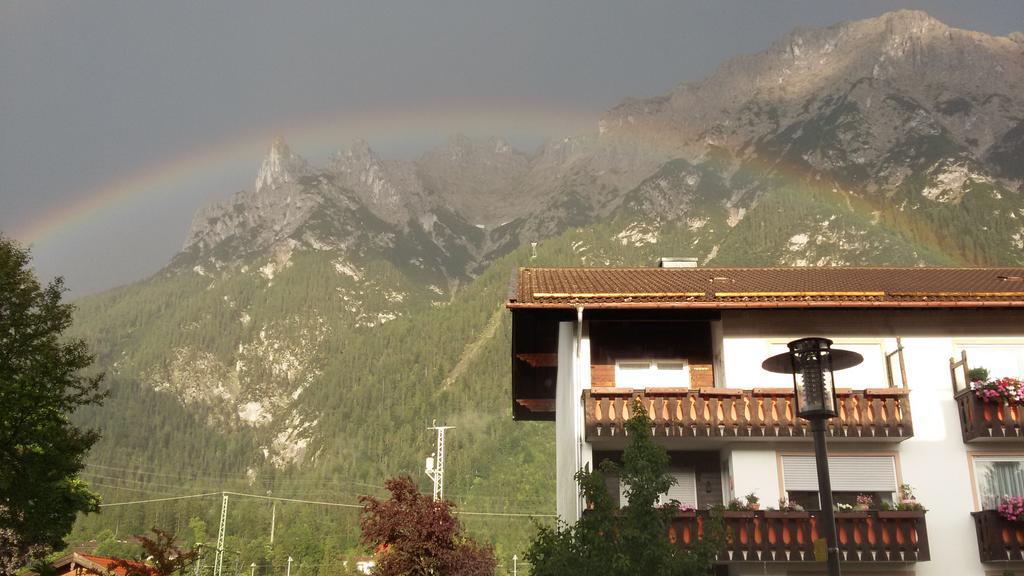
[689, 343]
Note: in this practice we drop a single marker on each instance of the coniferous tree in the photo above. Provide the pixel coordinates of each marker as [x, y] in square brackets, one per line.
[633, 540]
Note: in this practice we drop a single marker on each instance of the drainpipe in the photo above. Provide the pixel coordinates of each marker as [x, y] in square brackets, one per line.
[577, 413]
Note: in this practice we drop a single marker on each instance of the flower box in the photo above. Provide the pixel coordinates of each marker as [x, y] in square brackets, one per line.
[738, 514]
[901, 513]
[795, 514]
[851, 515]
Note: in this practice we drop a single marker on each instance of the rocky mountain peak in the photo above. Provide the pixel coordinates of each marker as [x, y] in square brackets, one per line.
[279, 166]
[389, 188]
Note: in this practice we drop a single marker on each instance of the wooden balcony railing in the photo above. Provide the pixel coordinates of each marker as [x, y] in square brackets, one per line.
[772, 536]
[980, 420]
[880, 413]
[999, 540]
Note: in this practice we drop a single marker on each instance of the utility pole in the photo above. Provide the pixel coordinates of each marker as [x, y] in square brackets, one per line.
[273, 521]
[435, 463]
[218, 563]
[515, 568]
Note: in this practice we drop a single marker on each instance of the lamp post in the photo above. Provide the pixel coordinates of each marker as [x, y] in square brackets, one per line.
[812, 361]
[288, 572]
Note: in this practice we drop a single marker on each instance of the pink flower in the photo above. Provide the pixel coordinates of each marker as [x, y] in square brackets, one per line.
[1004, 390]
[1011, 508]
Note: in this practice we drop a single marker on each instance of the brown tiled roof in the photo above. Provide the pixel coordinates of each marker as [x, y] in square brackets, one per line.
[797, 287]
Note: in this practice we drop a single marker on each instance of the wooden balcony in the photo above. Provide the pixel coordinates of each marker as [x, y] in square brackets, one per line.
[980, 420]
[772, 536]
[999, 540]
[872, 414]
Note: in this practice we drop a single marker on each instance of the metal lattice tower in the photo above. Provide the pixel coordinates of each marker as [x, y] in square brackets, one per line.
[435, 465]
[199, 561]
[218, 564]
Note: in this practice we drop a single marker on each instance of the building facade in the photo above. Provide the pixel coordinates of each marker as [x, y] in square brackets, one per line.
[688, 343]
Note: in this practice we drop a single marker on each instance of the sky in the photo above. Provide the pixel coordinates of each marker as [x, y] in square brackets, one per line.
[118, 120]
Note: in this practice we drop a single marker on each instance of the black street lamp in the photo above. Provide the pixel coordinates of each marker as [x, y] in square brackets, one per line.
[812, 361]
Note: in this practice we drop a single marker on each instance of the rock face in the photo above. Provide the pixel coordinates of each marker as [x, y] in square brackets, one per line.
[280, 167]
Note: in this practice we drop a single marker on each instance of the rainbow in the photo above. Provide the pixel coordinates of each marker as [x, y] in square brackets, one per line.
[386, 128]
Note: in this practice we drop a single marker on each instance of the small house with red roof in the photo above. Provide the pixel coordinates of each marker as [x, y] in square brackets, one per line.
[76, 564]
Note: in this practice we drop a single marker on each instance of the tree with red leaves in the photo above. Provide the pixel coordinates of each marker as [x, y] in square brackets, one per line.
[413, 535]
[160, 557]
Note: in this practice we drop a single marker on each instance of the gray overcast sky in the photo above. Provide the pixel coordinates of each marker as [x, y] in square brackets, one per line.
[164, 106]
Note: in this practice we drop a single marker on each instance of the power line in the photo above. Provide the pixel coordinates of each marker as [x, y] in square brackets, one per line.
[512, 514]
[243, 478]
[314, 486]
[280, 499]
[160, 499]
[144, 483]
[319, 503]
[113, 487]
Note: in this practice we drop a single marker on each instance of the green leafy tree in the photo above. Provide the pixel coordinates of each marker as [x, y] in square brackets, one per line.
[198, 528]
[41, 451]
[413, 535]
[633, 540]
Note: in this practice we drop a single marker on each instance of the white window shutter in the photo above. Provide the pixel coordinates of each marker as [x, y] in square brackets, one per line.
[848, 473]
[684, 490]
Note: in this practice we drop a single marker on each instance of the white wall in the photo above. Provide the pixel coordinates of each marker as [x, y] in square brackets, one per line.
[934, 461]
[565, 425]
[571, 452]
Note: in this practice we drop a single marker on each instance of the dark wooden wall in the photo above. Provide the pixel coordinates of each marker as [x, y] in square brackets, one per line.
[612, 340]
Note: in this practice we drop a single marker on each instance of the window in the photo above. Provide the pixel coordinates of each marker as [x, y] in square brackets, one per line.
[851, 476]
[871, 373]
[996, 477]
[652, 373]
[999, 359]
[684, 490]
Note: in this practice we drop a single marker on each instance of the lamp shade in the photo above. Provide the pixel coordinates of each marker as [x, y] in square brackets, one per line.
[812, 362]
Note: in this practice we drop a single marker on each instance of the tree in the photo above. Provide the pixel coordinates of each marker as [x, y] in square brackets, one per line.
[160, 557]
[414, 535]
[633, 540]
[41, 451]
